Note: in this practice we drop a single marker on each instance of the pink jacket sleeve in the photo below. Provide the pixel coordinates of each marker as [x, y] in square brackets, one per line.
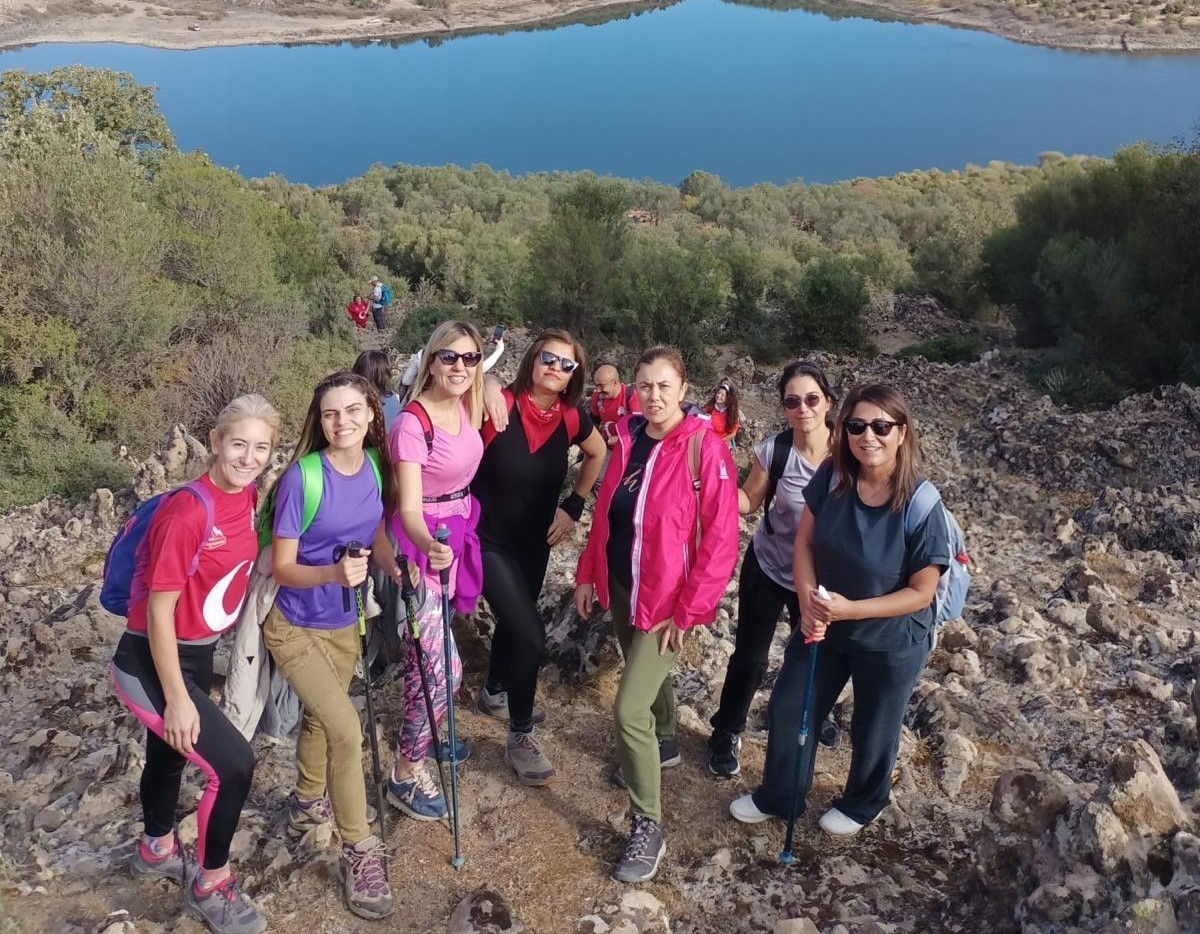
[718, 551]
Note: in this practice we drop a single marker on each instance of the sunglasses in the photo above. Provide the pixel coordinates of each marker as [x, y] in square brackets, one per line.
[880, 427]
[812, 400]
[550, 359]
[470, 359]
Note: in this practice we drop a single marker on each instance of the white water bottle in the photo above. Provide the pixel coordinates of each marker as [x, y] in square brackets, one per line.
[822, 593]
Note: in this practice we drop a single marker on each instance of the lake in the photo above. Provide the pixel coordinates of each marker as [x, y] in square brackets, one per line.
[746, 93]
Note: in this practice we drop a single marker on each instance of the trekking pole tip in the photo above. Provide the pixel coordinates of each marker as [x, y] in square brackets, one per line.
[787, 858]
[457, 862]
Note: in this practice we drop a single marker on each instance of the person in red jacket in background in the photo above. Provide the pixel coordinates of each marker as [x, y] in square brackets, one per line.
[722, 411]
[610, 401]
[357, 310]
[662, 547]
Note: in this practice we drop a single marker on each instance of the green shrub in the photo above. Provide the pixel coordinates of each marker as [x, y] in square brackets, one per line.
[1076, 385]
[419, 321]
[956, 348]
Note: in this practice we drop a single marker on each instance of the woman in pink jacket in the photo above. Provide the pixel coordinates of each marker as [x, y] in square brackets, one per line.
[662, 547]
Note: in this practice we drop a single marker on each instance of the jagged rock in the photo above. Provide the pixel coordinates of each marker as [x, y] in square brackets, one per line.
[795, 926]
[484, 911]
[1140, 793]
[1028, 801]
[957, 753]
[1149, 916]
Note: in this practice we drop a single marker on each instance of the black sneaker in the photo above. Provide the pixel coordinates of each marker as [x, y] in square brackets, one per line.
[643, 853]
[830, 735]
[723, 749]
[668, 757]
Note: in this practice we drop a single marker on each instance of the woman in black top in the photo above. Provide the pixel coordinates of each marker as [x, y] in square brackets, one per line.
[518, 486]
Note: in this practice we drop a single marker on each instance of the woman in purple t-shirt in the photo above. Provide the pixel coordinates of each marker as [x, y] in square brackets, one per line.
[434, 474]
[311, 631]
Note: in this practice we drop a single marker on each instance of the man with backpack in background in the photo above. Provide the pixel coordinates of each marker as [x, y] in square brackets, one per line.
[381, 297]
[610, 401]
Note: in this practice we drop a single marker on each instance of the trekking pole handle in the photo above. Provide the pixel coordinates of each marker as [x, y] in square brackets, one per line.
[354, 549]
[442, 535]
[822, 594]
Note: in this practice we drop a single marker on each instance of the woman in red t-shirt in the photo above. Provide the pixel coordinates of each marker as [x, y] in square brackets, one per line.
[188, 586]
[357, 310]
[722, 410]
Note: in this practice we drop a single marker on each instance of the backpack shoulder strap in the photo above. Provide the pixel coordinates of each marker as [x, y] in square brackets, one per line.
[781, 449]
[200, 491]
[920, 505]
[373, 460]
[312, 482]
[693, 458]
[417, 410]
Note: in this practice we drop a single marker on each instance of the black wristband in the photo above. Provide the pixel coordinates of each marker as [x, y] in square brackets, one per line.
[573, 506]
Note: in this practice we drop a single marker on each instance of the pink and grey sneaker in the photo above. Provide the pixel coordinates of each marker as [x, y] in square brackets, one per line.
[304, 816]
[363, 870]
[148, 864]
[225, 908]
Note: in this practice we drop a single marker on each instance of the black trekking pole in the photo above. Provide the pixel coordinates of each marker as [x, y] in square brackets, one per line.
[786, 856]
[412, 605]
[442, 534]
[354, 550]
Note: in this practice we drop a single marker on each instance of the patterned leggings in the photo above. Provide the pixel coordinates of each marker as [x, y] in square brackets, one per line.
[415, 736]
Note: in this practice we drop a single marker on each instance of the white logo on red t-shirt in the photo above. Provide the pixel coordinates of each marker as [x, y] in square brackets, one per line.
[216, 617]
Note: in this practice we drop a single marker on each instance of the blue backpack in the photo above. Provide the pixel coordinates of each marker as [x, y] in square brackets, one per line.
[385, 293]
[952, 587]
[116, 592]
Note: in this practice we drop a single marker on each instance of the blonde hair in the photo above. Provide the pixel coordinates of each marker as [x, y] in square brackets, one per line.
[442, 337]
[251, 405]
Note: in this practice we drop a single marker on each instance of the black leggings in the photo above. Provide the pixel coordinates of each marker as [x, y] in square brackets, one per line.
[220, 751]
[760, 603]
[511, 586]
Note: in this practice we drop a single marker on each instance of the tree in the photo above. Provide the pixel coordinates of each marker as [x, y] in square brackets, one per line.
[576, 255]
[825, 311]
[117, 106]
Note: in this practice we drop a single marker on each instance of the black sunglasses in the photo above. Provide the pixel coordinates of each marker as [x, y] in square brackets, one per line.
[470, 359]
[880, 427]
[812, 400]
[549, 359]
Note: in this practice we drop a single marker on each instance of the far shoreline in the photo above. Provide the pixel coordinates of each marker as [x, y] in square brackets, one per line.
[157, 25]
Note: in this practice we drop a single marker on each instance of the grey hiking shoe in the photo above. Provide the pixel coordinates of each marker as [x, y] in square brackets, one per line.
[364, 874]
[304, 816]
[643, 853]
[525, 756]
[147, 865]
[496, 706]
[225, 909]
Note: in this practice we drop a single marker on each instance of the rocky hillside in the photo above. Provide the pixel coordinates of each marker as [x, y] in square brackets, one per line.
[1048, 775]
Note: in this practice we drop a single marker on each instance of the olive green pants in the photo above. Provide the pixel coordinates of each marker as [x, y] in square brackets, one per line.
[644, 708]
[318, 664]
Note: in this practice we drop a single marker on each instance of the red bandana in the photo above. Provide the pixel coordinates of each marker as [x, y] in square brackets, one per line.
[539, 425]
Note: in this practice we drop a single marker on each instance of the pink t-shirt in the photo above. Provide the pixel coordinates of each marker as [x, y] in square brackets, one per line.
[448, 468]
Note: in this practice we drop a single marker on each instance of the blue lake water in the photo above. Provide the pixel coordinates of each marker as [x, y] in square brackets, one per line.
[749, 94]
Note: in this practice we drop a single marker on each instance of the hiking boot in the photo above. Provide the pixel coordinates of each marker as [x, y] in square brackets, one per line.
[304, 816]
[363, 871]
[525, 756]
[723, 749]
[668, 757]
[418, 795]
[496, 706]
[831, 734]
[147, 864]
[225, 909]
[643, 853]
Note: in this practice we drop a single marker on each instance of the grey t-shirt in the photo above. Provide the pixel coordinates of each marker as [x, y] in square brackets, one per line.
[861, 551]
[774, 551]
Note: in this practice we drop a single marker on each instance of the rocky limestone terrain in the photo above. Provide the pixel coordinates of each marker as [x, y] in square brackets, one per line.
[1048, 773]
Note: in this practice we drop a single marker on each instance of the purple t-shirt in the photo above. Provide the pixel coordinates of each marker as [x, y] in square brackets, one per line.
[351, 509]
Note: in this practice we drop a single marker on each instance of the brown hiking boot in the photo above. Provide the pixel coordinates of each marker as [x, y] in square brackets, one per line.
[364, 875]
[524, 755]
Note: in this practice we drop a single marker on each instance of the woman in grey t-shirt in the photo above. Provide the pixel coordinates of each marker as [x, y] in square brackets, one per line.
[871, 617]
[765, 585]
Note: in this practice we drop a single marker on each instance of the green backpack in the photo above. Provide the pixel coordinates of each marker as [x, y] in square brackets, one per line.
[312, 481]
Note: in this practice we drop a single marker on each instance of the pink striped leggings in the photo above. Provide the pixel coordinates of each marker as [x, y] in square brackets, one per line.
[221, 752]
[414, 737]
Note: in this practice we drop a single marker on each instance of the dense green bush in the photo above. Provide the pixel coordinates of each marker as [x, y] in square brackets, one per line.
[1101, 264]
[956, 348]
